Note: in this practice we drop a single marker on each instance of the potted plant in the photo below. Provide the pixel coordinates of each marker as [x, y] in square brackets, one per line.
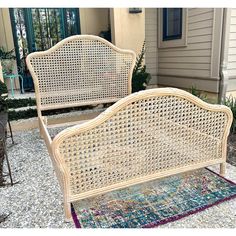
[140, 77]
[7, 57]
[3, 104]
[3, 120]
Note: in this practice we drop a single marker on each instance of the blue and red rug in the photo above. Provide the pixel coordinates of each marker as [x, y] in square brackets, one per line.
[154, 203]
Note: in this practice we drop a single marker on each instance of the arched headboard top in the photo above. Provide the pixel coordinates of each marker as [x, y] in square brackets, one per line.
[81, 70]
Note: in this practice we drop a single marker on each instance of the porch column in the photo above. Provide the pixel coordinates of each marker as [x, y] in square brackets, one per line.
[128, 30]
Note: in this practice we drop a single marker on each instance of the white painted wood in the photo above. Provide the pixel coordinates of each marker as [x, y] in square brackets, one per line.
[232, 51]
[233, 14]
[151, 44]
[232, 28]
[216, 42]
[233, 20]
[232, 83]
[184, 72]
[190, 53]
[201, 24]
[232, 43]
[231, 58]
[232, 72]
[204, 16]
[205, 84]
[151, 55]
[185, 60]
[152, 71]
[192, 60]
[152, 66]
[181, 42]
[150, 33]
[207, 139]
[232, 36]
[192, 46]
[200, 32]
[199, 11]
[231, 65]
[200, 39]
[187, 66]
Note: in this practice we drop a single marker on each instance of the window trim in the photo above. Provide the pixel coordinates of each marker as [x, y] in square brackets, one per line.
[172, 42]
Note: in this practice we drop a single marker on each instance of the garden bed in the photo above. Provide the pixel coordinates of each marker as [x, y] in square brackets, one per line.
[231, 155]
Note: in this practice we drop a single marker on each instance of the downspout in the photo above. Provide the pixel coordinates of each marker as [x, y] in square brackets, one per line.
[223, 73]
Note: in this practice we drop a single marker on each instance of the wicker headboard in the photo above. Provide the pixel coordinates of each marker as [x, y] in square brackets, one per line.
[81, 70]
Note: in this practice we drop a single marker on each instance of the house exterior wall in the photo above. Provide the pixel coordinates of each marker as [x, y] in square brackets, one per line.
[231, 62]
[93, 20]
[151, 55]
[128, 30]
[196, 64]
[6, 38]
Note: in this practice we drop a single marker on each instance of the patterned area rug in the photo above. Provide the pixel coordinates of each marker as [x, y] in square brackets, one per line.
[154, 203]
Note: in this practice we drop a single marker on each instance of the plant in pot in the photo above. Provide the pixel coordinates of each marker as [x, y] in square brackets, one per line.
[7, 58]
[3, 105]
[3, 120]
[140, 77]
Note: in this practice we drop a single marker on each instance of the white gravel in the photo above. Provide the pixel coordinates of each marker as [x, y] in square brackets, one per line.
[36, 201]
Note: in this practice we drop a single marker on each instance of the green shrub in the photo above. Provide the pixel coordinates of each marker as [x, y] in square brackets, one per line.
[140, 77]
[193, 90]
[3, 97]
[29, 113]
[231, 103]
[23, 114]
[7, 58]
[8, 55]
[106, 34]
[17, 103]
[3, 88]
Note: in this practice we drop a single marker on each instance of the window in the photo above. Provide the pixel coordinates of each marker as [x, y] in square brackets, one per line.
[172, 27]
[172, 23]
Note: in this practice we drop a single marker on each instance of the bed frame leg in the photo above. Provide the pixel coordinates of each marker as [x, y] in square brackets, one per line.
[67, 209]
[40, 129]
[222, 168]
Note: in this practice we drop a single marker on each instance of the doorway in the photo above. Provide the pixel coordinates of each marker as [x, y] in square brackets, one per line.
[38, 29]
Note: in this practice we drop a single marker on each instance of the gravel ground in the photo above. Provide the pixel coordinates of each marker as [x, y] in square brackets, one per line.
[36, 201]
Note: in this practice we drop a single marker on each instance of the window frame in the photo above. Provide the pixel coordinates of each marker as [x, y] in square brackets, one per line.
[165, 37]
[174, 41]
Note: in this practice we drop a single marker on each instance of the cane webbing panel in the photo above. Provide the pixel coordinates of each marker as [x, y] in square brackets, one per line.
[145, 137]
[81, 71]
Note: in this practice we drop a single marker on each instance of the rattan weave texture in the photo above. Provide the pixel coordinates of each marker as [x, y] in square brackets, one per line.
[147, 136]
[80, 70]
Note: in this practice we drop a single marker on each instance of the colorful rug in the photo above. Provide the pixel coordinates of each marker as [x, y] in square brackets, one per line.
[154, 203]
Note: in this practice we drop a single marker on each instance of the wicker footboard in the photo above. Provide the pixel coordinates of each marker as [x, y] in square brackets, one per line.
[144, 136]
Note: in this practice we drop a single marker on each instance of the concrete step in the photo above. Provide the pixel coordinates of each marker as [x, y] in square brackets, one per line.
[32, 123]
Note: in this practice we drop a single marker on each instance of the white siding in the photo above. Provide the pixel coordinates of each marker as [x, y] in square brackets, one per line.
[232, 50]
[151, 43]
[198, 62]
[195, 59]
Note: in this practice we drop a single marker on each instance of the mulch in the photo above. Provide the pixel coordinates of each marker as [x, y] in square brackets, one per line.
[231, 155]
